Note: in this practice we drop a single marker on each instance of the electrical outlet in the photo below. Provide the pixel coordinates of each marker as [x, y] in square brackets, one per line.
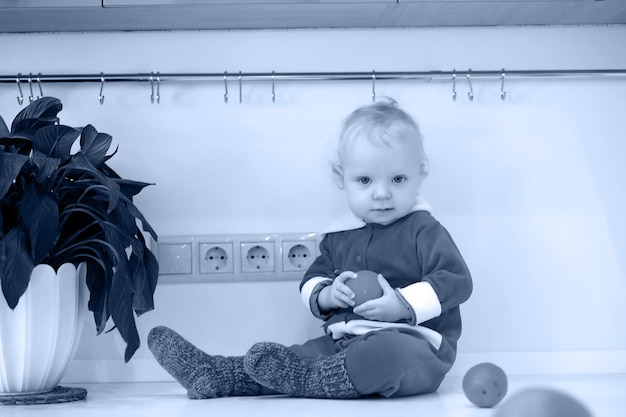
[217, 258]
[258, 256]
[298, 255]
[236, 257]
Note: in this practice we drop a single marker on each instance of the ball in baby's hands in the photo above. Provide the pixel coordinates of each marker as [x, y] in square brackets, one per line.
[485, 384]
[365, 287]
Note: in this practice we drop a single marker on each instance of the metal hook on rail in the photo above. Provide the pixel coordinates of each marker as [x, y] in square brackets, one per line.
[240, 87]
[156, 96]
[502, 92]
[30, 87]
[373, 86]
[225, 86]
[454, 85]
[39, 85]
[151, 79]
[273, 93]
[101, 96]
[20, 98]
[470, 93]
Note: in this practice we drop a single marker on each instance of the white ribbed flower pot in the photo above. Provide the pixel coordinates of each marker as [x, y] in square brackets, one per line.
[39, 337]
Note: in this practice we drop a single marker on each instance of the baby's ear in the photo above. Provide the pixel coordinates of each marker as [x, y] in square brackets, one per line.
[338, 175]
[424, 169]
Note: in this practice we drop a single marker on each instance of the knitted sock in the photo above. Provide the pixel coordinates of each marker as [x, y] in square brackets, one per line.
[201, 374]
[279, 368]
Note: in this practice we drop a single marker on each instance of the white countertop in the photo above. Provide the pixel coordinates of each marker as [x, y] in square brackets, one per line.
[604, 395]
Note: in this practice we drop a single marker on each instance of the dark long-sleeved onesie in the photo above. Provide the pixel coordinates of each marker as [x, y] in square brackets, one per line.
[419, 259]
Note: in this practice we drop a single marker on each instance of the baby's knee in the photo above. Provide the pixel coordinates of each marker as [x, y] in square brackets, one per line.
[394, 364]
[421, 379]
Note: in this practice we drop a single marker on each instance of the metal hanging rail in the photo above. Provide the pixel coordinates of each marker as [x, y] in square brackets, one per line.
[35, 81]
[307, 76]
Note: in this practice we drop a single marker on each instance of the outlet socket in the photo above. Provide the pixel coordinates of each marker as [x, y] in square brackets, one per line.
[258, 256]
[298, 255]
[216, 258]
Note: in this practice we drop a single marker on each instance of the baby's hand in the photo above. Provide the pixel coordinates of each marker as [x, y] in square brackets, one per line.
[387, 307]
[337, 295]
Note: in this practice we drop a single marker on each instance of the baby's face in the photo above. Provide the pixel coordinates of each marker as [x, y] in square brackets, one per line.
[381, 181]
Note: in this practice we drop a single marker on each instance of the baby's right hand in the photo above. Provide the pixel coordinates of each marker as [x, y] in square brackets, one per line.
[338, 294]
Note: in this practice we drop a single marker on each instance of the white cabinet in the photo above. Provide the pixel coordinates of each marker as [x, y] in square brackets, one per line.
[112, 15]
[28, 4]
[110, 3]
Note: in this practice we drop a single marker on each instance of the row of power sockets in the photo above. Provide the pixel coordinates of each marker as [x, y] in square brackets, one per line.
[237, 257]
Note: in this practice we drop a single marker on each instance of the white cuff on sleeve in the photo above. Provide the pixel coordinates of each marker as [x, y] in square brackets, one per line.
[423, 299]
[307, 290]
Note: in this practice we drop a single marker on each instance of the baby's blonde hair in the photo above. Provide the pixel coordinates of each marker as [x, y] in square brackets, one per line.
[382, 123]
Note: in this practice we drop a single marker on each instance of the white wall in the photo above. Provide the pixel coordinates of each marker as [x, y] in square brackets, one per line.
[530, 187]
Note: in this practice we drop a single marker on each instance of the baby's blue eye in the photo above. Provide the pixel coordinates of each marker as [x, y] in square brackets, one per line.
[398, 179]
[363, 180]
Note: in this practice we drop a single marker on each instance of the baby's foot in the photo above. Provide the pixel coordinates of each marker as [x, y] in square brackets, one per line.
[277, 367]
[190, 366]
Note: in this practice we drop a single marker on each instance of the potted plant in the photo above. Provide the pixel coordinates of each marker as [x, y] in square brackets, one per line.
[61, 203]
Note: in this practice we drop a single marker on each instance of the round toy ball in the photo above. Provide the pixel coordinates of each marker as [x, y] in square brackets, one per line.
[542, 402]
[365, 287]
[485, 384]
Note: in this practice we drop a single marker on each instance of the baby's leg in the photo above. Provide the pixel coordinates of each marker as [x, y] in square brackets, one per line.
[281, 369]
[395, 363]
[202, 375]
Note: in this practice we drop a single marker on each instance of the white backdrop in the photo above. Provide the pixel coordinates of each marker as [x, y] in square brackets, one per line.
[531, 187]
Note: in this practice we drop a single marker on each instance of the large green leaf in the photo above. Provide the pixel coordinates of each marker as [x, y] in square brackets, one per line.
[16, 265]
[113, 194]
[121, 305]
[40, 215]
[55, 141]
[4, 130]
[10, 166]
[79, 166]
[152, 273]
[117, 239]
[146, 277]
[141, 303]
[46, 166]
[85, 231]
[21, 143]
[124, 219]
[94, 145]
[93, 191]
[131, 188]
[139, 215]
[39, 113]
[99, 287]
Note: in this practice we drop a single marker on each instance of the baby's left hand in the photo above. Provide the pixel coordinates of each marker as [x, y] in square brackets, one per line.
[387, 307]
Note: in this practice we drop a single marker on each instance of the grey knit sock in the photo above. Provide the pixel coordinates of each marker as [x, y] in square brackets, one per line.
[202, 375]
[277, 367]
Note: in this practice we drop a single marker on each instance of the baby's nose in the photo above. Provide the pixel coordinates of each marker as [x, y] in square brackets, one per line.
[381, 192]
